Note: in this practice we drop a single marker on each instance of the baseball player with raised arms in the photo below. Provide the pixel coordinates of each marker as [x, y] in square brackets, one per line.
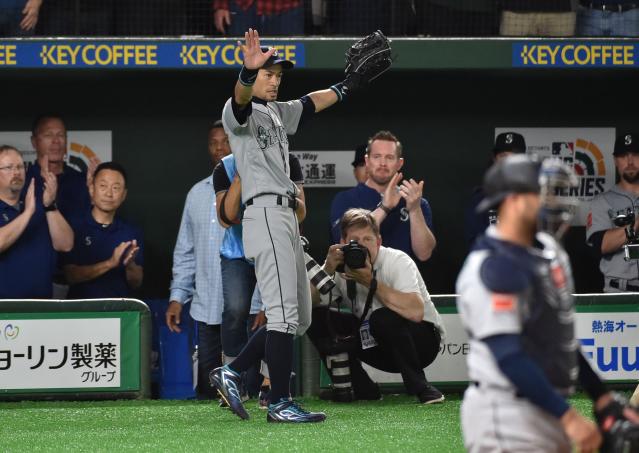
[515, 301]
[258, 126]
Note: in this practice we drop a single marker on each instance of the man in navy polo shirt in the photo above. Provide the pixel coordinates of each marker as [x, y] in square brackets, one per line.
[31, 231]
[49, 139]
[106, 260]
[404, 217]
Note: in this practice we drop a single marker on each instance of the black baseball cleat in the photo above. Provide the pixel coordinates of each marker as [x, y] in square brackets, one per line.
[430, 395]
[227, 384]
[291, 412]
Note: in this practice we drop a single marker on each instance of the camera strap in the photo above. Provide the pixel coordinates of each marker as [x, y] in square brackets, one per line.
[369, 297]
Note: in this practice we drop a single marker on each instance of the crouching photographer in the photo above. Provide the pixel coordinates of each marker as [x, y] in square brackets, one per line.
[393, 325]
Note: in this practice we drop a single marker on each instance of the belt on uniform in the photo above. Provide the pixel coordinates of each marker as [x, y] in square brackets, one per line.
[612, 7]
[563, 392]
[280, 200]
[616, 284]
[502, 389]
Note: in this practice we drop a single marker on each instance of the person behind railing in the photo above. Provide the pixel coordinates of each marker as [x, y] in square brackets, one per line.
[537, 18]
[608, 18]
[107, 257]
[613, 215]
[32, 230]
[19, 17]
[404, 216]
[197, 273]
[272, 17]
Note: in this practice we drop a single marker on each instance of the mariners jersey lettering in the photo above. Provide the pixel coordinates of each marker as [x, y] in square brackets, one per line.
[539, 308]
[603, 208]
[260, 145]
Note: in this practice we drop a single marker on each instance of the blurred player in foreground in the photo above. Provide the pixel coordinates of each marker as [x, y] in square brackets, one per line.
[515, 300]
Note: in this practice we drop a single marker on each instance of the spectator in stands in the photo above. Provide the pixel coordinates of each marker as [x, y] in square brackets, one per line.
[537, 18]
[608, 18]
[457, 17]
[506, 143]
[359, 164]
[19, 17]
[49, 139]
[270, 17]
[31, 231]
[107, 257]
[404, 217]
[197, 276]
[394, 325]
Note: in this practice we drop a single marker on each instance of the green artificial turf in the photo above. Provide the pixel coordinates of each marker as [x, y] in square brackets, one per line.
[395, 424]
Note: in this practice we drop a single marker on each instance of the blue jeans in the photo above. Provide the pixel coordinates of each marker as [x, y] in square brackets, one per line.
[593, 22]
[289, 22]
[209, 357]
[238, 284]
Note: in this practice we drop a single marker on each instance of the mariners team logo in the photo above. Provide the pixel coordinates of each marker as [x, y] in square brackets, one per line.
[587, 161]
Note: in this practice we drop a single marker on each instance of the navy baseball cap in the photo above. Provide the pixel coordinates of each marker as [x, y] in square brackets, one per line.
[514, 174]
[360, 152]
[275, 59]
[626, 143]
[510, 142]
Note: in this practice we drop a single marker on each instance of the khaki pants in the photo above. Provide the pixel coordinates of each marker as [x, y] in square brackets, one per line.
[537, 24]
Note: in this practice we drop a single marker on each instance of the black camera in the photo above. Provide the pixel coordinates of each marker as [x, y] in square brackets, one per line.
[354, 256]
[627, 220]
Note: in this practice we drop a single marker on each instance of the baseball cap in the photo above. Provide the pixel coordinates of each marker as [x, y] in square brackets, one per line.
[360, 152]
[510, 142]
[626, 143]
[518, 173]
[276, 59]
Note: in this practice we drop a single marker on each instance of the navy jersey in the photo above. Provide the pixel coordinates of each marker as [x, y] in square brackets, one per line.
[508, 289]
[26, 268]
[395, 229]
[94, 243]
[73, 195]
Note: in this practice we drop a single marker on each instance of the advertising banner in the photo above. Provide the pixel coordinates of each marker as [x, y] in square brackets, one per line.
[575, 55]
[69, 352]
[609, 341]
[588, 151]
[164, 54]
[326, 168]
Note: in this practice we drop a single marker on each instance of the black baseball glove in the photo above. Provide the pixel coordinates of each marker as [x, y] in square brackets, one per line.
[619, 434]
[366, 60]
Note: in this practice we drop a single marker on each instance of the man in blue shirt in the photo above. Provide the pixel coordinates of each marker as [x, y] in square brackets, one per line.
[49, 139]
[404, 217]
[196, 267]
[107, 259]
[31, 231]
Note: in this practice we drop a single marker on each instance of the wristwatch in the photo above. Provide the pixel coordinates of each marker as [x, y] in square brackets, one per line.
[52, 207]
[381, 206]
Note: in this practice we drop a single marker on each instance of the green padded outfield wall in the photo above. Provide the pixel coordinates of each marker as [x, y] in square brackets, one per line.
[444, 110]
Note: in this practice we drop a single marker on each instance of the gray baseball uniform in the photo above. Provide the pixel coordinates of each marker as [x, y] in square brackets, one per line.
[603, 208]
[533, 299]
[270, 233]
